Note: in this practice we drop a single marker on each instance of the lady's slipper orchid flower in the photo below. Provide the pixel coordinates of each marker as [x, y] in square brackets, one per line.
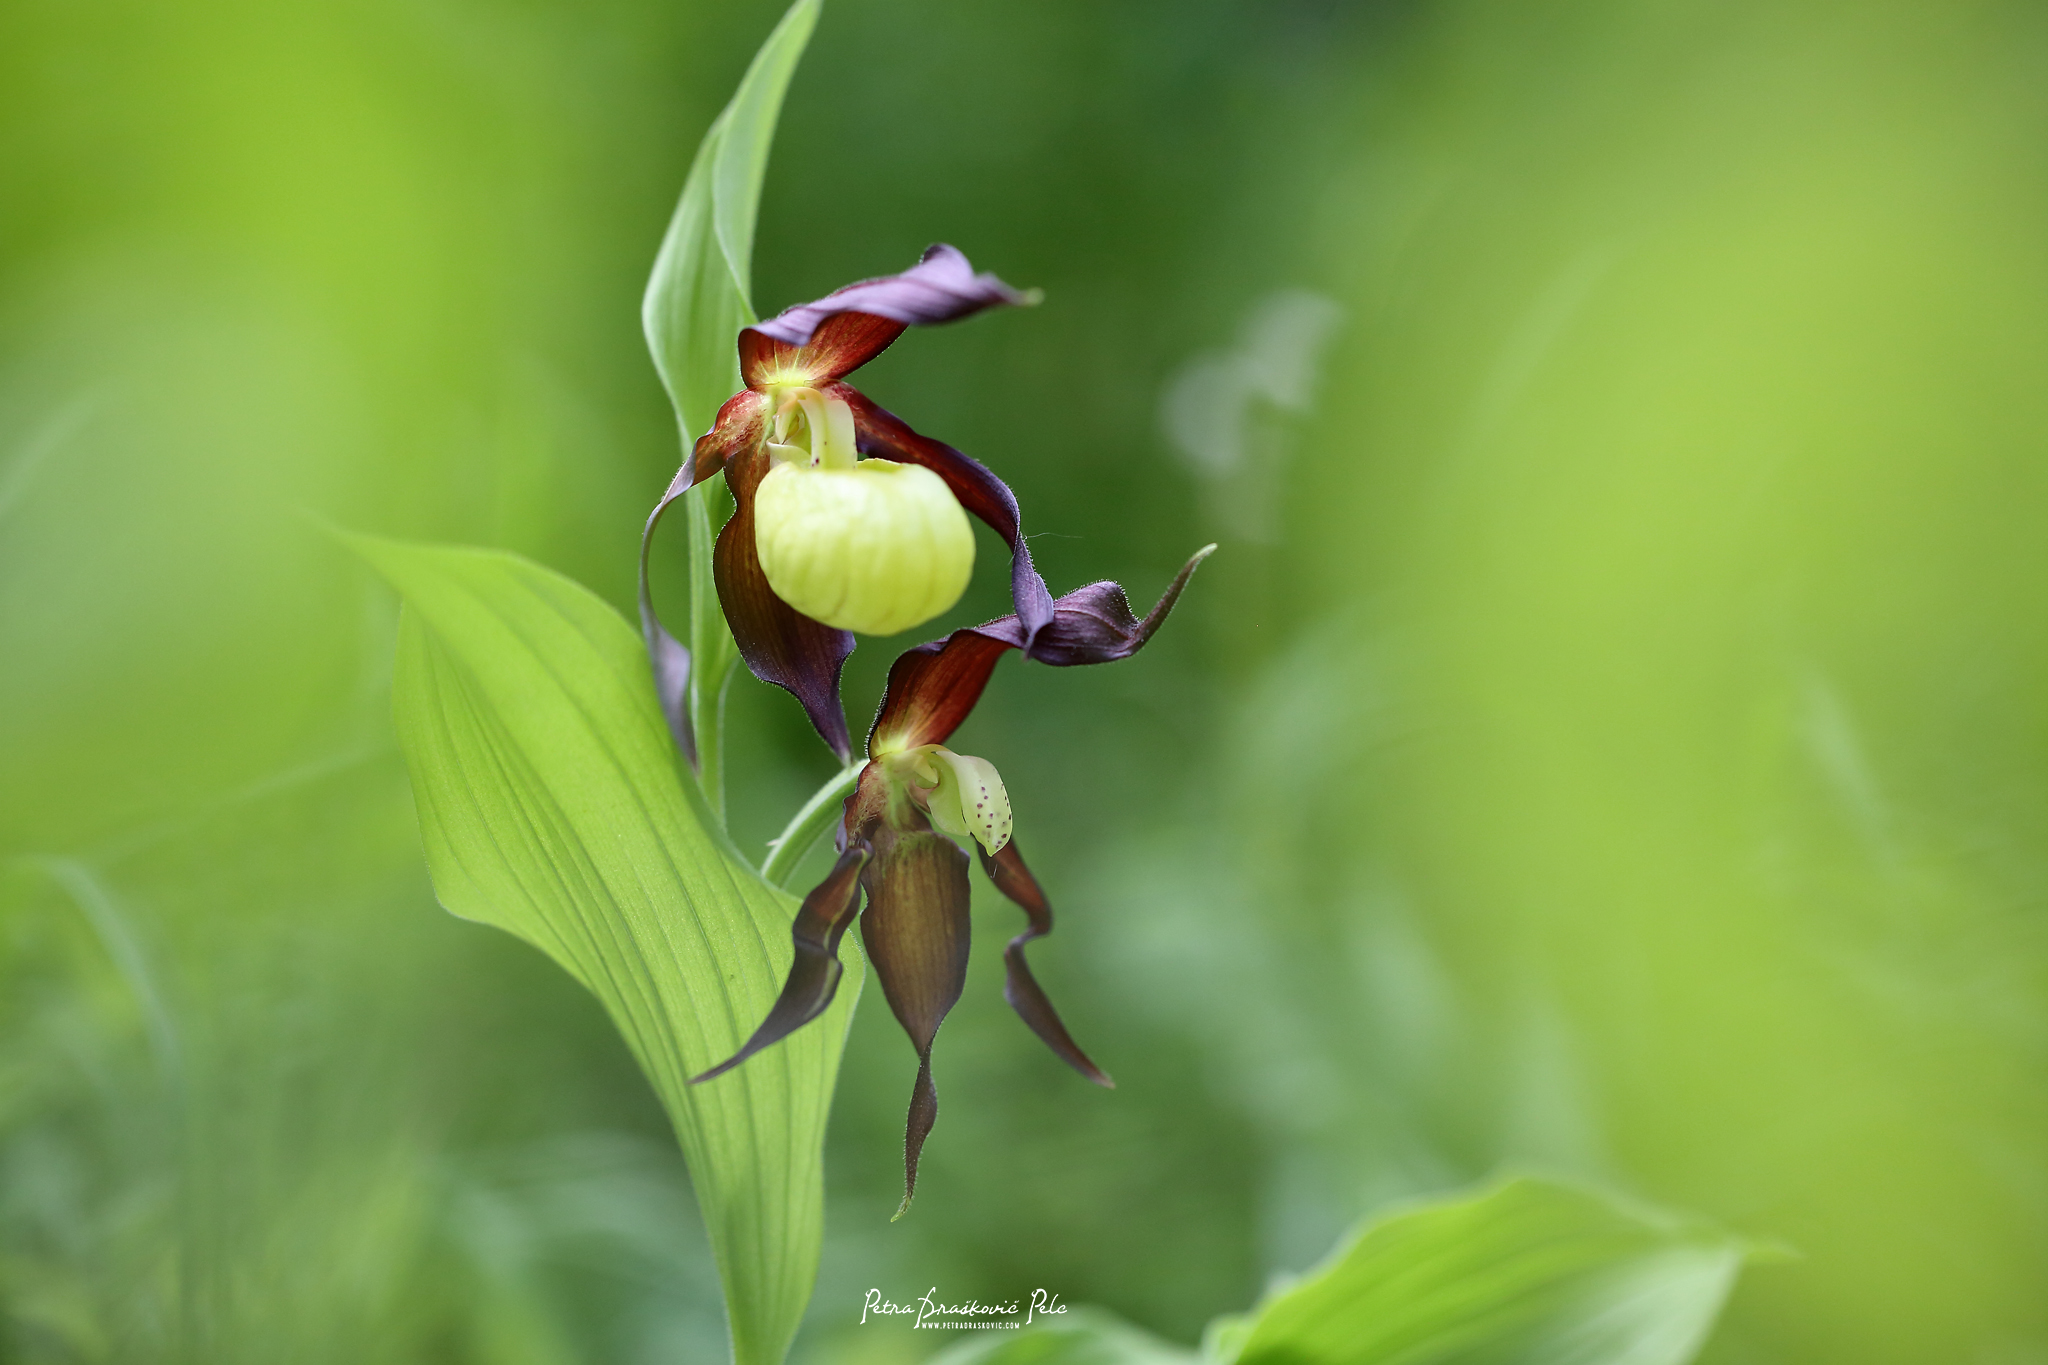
[912, 792]
[822, 542]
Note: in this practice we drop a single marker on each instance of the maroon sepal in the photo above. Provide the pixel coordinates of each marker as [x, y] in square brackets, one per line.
[814, 975]
[882, 433]
[815, 343]
[842, 344]
[916, 932]
[1006, 869]
[933, 686]
[780, 644]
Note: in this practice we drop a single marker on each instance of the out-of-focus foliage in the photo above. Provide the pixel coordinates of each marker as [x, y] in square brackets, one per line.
[1529, 1272]
[1625, 749]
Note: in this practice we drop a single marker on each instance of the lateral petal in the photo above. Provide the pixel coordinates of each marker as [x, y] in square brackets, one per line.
[1095, 624]
[781, 646]
[814, 975]
[739, 425]
[881, 432]
[807, 344]
[933, 686]
[916, 932]
[1011, 877]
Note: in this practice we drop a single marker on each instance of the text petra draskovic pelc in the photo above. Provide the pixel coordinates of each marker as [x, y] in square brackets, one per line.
[930, 1310]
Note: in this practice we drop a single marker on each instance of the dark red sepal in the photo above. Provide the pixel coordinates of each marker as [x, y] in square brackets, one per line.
[933, 686]
[882, 433]
[1006, 869]
[781, 645]
[815, 343]
[814, 975]
[842, 344]
[916, 932]
[931, 689]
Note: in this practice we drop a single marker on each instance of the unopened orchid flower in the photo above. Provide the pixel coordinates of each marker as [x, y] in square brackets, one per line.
[844, 518]
[912, 793]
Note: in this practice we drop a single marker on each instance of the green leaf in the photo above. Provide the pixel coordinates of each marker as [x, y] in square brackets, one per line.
[1526, 1272]
[551, 806]
[700, 294]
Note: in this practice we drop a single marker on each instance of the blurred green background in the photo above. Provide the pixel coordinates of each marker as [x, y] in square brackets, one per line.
[1612, 738]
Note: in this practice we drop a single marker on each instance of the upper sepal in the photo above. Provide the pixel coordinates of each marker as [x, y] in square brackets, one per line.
[932, 687]
[815, 343]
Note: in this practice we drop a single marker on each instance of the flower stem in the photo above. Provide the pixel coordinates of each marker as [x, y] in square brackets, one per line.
[807, 826]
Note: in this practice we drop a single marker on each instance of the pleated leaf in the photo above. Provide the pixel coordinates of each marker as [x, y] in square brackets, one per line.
[551, 806]
[1527, 1272]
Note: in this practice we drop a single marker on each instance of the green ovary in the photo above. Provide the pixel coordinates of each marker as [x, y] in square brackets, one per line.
[877, 548]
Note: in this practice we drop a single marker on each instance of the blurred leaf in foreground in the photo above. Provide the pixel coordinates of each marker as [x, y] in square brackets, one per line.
[1524, 1272]
[1527, 1271]
[551, 806]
